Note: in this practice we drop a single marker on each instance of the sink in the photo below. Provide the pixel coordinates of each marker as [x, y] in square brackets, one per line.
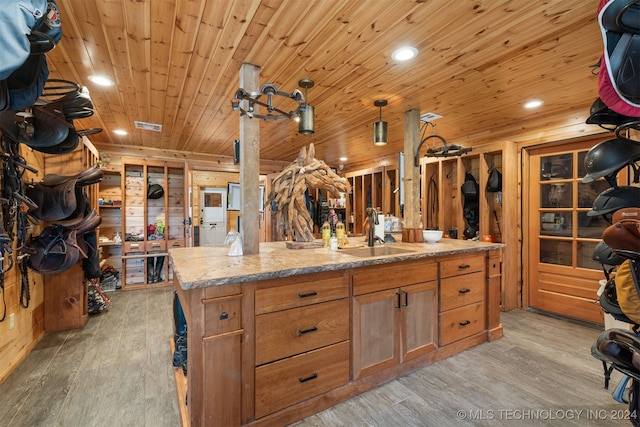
[375, 251]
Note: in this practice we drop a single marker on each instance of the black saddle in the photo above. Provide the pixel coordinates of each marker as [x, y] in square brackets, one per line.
[60, 197]
[620, 348]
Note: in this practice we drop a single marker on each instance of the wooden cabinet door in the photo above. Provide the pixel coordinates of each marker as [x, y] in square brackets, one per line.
[419, 319]
[376, 331]
[563, 277]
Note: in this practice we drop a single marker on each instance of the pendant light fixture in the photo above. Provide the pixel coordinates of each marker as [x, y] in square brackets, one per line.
[303, 114]
[380, 127]
[306, 125]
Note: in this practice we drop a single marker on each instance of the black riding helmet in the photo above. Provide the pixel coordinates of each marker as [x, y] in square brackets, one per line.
[155, 191]
[603, 254]
[612, 199]
[606, 158]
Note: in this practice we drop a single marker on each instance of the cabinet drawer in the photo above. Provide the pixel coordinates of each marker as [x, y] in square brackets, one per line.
[175, 243]
[455, 266]
[461, 322]
[288, 332]
[156, 245]
[286, 382]
[301, 294]
[222, 315]
[458, 291]
[128, 247]
[378, 278]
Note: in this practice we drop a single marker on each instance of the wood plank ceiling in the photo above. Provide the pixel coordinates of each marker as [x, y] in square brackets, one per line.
[176, 63]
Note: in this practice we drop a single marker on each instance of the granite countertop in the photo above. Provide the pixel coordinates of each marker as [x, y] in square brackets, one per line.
[201, 267]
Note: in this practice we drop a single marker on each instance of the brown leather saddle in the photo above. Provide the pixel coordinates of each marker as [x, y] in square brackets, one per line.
[48, 125]
[623, 236]
[60, 246]
[60, 197]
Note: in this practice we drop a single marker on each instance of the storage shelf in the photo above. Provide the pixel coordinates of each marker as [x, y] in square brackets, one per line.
[146, 263]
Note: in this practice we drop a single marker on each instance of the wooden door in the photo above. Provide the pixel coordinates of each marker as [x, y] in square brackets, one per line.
[419, 314]
[376, 332]
[563, 278]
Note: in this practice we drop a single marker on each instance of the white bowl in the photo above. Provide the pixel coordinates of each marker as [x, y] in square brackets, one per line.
[431, 236]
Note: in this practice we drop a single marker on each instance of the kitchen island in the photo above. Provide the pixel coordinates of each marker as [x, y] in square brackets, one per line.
[280, 335]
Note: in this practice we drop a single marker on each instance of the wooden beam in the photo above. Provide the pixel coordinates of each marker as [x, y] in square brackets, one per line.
[249, 165]
[411, 172]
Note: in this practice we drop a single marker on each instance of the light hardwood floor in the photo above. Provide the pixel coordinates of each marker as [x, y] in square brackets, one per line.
[117, 372]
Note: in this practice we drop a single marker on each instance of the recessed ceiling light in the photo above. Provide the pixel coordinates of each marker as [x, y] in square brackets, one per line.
[101, 80]
[404, 53]
[534, 103]
[120, 132]
[343, 159]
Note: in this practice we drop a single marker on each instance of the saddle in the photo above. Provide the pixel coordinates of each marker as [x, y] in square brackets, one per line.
[60, 246]
[623, 236]
[60, 197]
[621, 348]
[619, 81]
[48, 125]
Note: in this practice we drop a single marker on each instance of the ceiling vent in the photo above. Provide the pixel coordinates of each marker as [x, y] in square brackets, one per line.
[429, 117]
[148, 126]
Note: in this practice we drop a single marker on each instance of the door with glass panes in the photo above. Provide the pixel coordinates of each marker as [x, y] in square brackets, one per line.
[563, 277]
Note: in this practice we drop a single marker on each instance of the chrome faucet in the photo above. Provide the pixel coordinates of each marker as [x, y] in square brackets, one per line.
[373, 220]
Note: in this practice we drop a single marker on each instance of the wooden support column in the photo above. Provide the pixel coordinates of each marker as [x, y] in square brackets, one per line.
[411, 232]
[249, 165]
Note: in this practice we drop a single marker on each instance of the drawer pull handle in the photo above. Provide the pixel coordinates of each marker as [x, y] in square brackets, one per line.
[464, 266]
[308, 294]
[309, 378]
[135, 245]
[175, 245]
[464, 291]
[465, 323]
[306, 331]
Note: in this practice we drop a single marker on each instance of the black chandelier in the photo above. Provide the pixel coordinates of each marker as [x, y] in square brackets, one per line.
[303, 114]
[446, 150]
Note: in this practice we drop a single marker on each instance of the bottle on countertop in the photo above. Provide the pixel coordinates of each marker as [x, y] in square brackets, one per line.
[333, 245]
[340, 233]
[326, 234]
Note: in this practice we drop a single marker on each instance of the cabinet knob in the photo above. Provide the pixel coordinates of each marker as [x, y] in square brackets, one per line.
[224, 315]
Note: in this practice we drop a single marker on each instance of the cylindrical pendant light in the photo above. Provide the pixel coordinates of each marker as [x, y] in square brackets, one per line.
[380, 127]
[306, 125]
